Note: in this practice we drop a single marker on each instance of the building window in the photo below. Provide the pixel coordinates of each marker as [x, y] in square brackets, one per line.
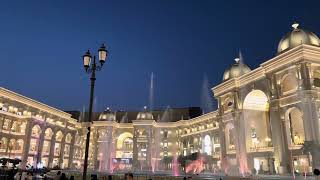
[6, 124]
[4, 144]
[57, 149]
[66, 150]
[35, 132]
[48, 134]
[128, 143]
[59, 136]
[68, 138]
[33, 146]
[207, 145]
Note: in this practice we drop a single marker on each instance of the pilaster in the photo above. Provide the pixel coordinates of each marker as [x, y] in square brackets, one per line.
[279, 141]
[26, 140]
[51, 151]
[71, 152]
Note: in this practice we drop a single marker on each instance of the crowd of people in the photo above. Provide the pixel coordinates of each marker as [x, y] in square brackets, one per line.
[58, 176]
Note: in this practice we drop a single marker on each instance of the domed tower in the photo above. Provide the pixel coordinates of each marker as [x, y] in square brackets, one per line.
[145, 115]
[107, 115]
[236, 70]
[297, 37]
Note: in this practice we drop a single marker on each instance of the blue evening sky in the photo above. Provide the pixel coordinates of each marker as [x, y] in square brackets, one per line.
[187, 44]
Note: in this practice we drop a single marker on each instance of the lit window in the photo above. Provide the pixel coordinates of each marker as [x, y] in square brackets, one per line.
[207, 145]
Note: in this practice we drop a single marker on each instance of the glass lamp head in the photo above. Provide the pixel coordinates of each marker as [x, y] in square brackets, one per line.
[86, 60]
[103, 54]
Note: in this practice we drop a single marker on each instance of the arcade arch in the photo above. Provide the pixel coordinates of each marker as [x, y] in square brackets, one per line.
[229, 136]
[256, 119]
[207, 145]
[294, 126]
[124, 145]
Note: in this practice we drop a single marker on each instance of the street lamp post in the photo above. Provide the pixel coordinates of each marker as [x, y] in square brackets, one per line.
[91, 68]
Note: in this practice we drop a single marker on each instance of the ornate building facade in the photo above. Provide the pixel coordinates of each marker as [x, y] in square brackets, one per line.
[267, 119]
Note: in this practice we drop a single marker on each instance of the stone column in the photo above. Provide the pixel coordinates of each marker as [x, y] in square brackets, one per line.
[8, 150]
[1, 125]
[41, 141]
[62, 144]
[305, 75]
[26, 145]
[135, 161]
[149, 144]
[52, 145]
[223, 148]
[279, 141]
[95, 147]
[71, 151]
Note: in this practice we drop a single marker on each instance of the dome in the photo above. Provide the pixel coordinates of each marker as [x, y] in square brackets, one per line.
[107, 115]
[296, 37]
[145, 115]
[236, 70]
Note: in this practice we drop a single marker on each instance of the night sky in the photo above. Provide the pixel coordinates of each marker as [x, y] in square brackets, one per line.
[186, 44]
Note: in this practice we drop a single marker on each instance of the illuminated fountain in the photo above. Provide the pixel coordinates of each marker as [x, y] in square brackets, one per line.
[106, 149]
[155, 151]
[106, 152]
[206, 98]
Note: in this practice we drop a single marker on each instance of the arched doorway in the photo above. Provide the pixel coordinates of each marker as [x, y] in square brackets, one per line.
[256, 118]
[257, 128]
[124, 151]
[296, 138]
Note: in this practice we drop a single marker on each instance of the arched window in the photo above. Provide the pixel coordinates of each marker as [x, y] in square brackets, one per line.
[4, 144]
[295, 127]
[15, 126]
[18, 127]
[128, 143]
[289, 83]
[207, 145]
[35, 132]
[68, 138]
[59, 136]
[256, 120]
[6, 124]
[48, 134]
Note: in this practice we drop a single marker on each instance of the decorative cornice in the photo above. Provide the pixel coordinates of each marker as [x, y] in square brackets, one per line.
[33, 103]
[292, 56]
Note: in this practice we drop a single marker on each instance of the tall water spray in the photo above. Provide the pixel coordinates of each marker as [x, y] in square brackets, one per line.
[240, 133]
[206, 97]
[106, 151]
[151, 92]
